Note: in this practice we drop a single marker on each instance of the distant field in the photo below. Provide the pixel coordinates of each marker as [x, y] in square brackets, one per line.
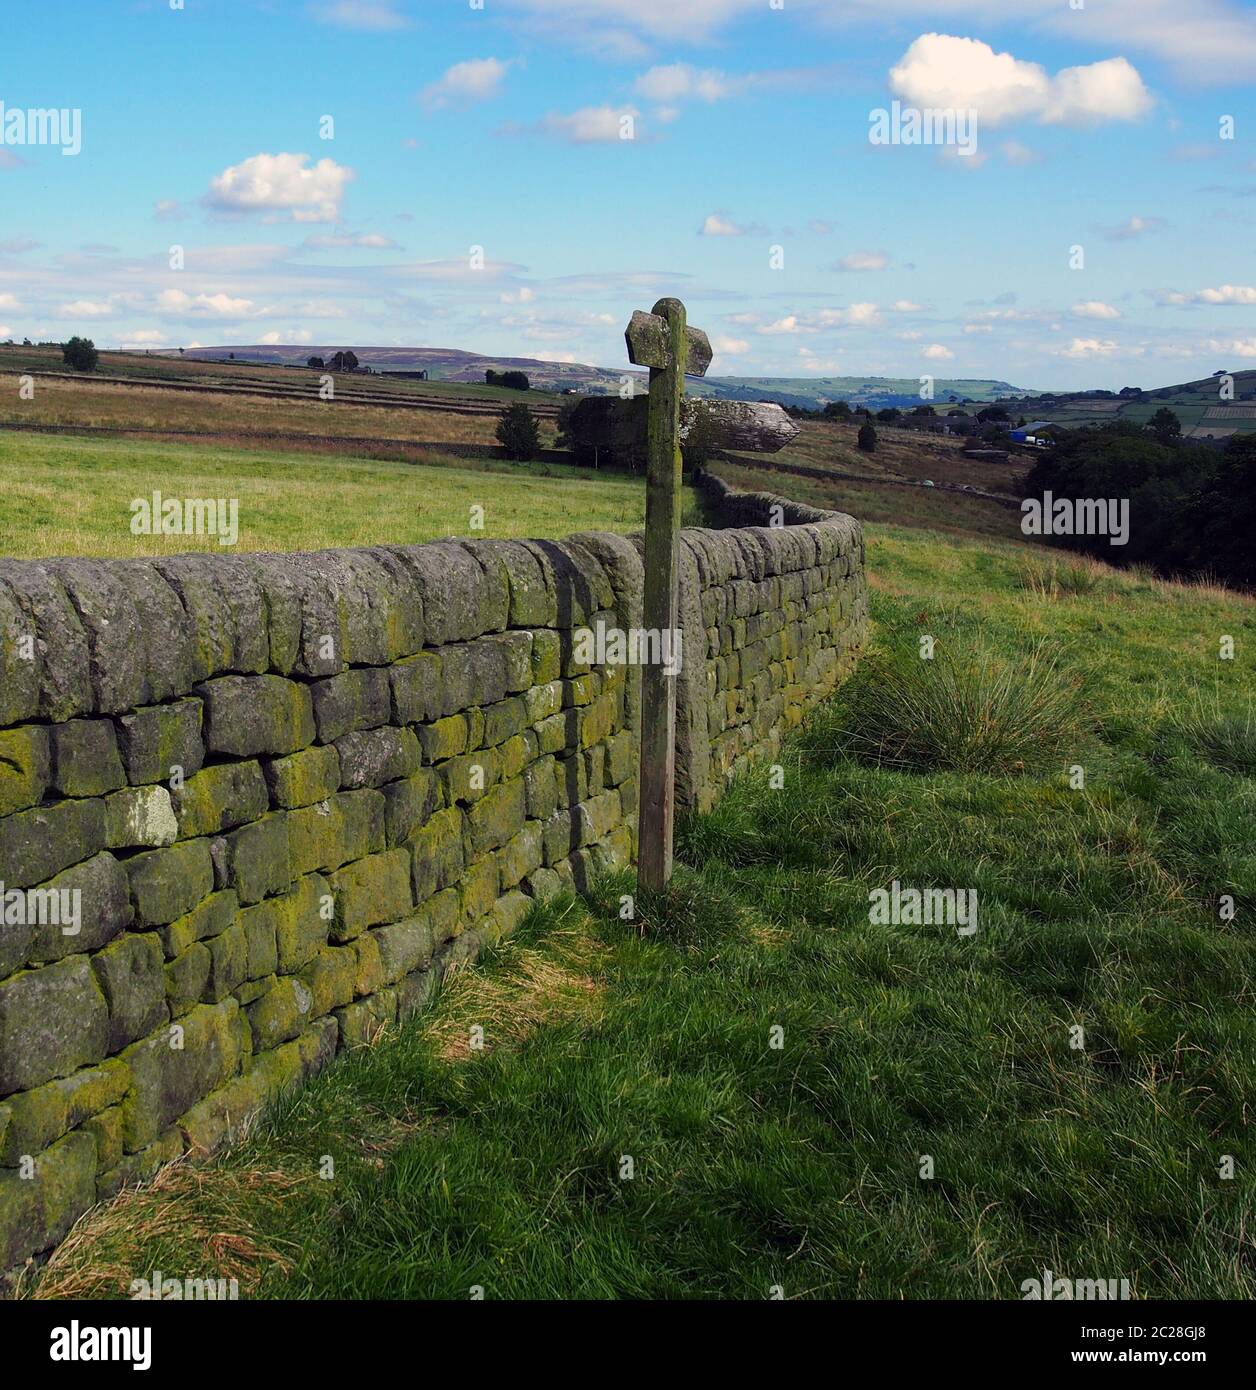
[64, 495]
[1197, 405]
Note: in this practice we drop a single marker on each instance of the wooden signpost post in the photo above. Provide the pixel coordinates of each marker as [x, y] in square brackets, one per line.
[663, 341]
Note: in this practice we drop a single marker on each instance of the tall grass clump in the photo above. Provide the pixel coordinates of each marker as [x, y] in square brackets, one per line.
[1225, 737]
[974, 711]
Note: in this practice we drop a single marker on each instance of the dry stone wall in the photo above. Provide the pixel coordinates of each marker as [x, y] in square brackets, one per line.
[253, 807]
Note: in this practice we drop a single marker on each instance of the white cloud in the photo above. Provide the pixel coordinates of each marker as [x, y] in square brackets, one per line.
[375, 16]
[85, 309]
[465, 83]
[785, 325]
[945, 71]
[1135, 227]
[220, 305]
[592, 125]
[731, 347]
[1081, 348]
[936, 352]
[521, 296]
[717, 224]
[340, 241]
[863, 260]
[680, 81]
[857, 316]
[169, 210]
[906, 306]
[1237, 347]
[275, 183]
[8, 301]
[1225, 294]
[1095, 309]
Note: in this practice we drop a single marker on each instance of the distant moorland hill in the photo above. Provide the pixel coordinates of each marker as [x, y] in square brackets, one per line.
[453, 364]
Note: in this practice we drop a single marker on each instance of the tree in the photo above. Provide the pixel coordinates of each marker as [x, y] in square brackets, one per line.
[81, 354]
[837, 410]
[317, 363]
[518, 432]
[868, 437]
[992, 412]
[888, 414]
[1165, 425]
[515, 381]
[346, 361]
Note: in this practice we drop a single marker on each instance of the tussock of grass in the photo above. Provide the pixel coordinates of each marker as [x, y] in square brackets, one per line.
[1071, 577]
[974, 711]
[1225, 736]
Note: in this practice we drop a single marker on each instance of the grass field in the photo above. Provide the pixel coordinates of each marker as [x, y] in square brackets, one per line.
[800, 1168]
[66, 495]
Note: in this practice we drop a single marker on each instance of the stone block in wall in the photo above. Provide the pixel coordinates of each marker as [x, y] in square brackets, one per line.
[531, 601]
[542, 885]
[571, 777]
[559, 732]
[478, 890]
[621, 757]
[461, 599]
[104, 909]
[375, 756]
[595, 767]
[36, 1118]
[410, 803]
[519, 752]
[25, 768]
[330, 977]
[408, 945]
[547, 656]
[361, 1022]
[369, 971]
[139, 1166]
[210, 917]
[559, 837]
[542, 701]
[246, 716]
[418, 689]
[106, 1130]
[167, 883]
[36, 1212]
[140, 818]
[228, 963]
[304, 778]
[504, 720]
[500, 815]
[49, 676]
[53, 1021]
[156, 740]
[345, 827]
[599, 720]
[224, 601]
[36, 845]
[281, 1013]
[351, 701]
[508, 912]
[301, 921]
[540, 781]
[445, 738]
[131, 976]
[468, 777]
[180, 1065]
[118, 605]
[370, 892]
[436, 854]
[521, 855]
[186, 977]
[218, 798]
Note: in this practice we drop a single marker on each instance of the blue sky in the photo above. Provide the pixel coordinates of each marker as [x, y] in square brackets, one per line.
[749, 185]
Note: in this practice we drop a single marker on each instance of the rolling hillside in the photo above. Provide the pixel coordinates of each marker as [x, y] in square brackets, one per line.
[1197, 404]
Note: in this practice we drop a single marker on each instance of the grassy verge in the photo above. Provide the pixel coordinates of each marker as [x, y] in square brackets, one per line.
[65, 495]
[800, 1165]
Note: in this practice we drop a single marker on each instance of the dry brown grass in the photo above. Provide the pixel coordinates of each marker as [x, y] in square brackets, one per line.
[185, 1207]
[101, 405]
[534, 987]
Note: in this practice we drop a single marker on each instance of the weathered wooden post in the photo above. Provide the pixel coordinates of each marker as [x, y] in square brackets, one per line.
[663, 341]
